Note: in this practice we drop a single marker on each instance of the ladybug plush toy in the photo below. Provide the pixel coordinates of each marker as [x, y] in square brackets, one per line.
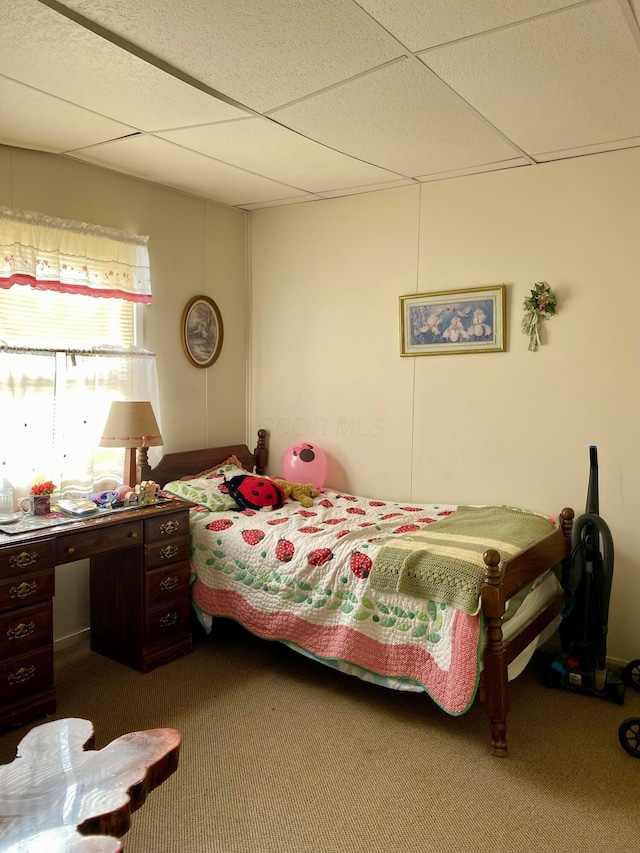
[259, 493]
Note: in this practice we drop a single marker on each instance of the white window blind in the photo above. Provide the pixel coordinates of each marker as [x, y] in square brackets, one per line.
[49, 320]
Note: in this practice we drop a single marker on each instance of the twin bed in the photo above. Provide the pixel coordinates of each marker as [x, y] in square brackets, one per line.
[352, 582]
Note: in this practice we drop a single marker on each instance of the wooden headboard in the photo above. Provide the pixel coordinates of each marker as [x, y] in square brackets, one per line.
[173, 466]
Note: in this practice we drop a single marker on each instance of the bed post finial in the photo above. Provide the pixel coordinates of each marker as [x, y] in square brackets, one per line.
[492, 558]
[261, 452]
[566, 523]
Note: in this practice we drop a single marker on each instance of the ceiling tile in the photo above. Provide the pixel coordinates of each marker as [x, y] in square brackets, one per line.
[47, 51]
[401, 118]
[262, 54]
[262, 146]
[564, 81]
[30, 119]
[419, 24]
[160, 161]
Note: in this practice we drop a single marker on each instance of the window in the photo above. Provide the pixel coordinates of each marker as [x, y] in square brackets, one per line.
[67, 349]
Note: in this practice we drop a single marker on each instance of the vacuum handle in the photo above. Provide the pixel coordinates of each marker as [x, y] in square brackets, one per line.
[593, 499]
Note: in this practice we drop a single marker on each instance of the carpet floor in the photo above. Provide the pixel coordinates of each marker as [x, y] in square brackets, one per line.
[283, 755]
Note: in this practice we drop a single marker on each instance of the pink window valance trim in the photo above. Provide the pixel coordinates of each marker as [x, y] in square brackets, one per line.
[48, 253]
[80, 289]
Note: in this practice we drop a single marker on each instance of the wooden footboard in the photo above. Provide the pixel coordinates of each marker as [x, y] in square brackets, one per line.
[502, 581]
[175, 466]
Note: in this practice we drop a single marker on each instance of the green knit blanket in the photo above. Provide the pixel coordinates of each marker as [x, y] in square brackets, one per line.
[443, 561]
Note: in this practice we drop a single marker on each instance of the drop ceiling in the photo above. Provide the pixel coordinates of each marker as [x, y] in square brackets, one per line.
[253, 103]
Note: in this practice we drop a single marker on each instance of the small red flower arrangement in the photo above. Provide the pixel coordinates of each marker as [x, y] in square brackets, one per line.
[45, 488]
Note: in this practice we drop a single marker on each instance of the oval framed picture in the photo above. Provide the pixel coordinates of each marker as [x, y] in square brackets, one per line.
[202, 331]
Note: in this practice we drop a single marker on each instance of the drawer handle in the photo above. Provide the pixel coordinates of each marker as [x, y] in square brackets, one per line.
[169, 552]
[23, 559]
[169, 619]
[24, 629]
[133, 534]
[169, 527]
[21, 675]
[24, 590]
[170, 582]
[71, 550]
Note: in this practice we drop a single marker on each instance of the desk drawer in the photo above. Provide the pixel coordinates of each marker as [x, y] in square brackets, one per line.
[26, 675]
[26, 589]
[168, 584]
[163, 622]
[170, 526]
[90, 543]
[27, 558]
[164, 552]
[26, 629]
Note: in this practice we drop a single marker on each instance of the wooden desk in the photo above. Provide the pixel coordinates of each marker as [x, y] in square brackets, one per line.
[60, 795]
[139, 598]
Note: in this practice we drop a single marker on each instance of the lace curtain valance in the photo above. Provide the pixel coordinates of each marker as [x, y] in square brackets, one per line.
[49, 253]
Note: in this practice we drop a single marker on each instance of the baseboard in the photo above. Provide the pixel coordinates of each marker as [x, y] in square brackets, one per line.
[71, 640]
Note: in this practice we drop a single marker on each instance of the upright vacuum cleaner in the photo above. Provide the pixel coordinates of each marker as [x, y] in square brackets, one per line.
[582, 664]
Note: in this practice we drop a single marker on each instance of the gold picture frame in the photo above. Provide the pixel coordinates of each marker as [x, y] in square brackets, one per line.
[452, 322]
[202, 331]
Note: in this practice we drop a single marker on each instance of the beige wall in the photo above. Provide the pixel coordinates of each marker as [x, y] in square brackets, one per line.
[195, 247]
[510, 427]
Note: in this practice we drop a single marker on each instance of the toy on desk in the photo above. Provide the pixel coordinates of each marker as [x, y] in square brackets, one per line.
[123, 491]
[112, 497]
[148, 491]
[104, 499]
[145, 492]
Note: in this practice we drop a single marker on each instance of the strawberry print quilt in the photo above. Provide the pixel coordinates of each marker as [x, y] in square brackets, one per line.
[301, 576]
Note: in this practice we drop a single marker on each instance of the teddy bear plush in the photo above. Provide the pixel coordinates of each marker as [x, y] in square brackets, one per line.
[302, 492]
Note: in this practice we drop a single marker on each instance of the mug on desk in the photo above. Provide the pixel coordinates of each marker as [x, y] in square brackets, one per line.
[35, 505]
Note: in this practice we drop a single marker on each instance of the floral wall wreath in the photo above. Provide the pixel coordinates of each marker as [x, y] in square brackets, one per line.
[540, 306]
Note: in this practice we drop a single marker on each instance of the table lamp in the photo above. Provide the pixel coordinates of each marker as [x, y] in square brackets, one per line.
[131, 425]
